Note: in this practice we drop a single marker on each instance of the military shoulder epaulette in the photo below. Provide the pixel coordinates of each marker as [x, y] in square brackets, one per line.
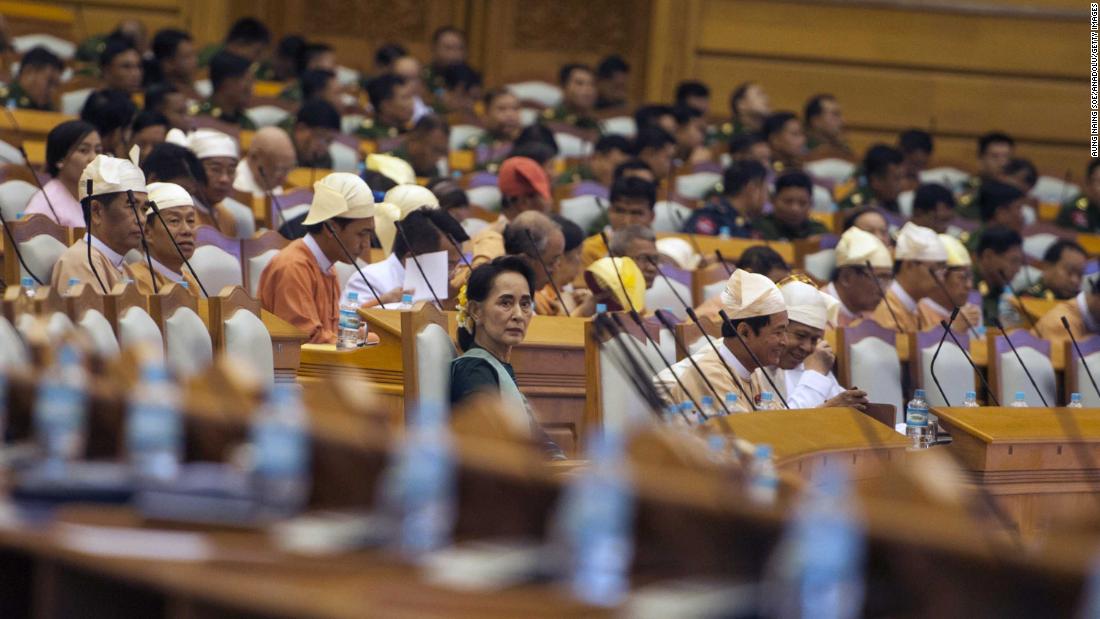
[983, 288]
[1082, 203]
[368, 123]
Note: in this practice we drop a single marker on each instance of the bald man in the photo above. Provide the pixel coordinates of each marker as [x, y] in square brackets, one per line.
[269, 160]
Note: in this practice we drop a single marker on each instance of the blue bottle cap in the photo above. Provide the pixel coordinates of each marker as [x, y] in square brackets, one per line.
[353, 296]
[1020, 395]
[407, 299]
[601, 308]
[766, 396]
[970, 395]
[919, 393]
[26, 282]
[707, 401]
[763, 451]
[1075, 397]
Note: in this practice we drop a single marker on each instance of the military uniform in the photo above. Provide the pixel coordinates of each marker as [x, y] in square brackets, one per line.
[814, 141]
[772, 229]
[718, 214]
[490, 150]
[1080, 214]
[293, 92]
[370, 129]
[241, 119]
[14, 95]
[89, 49]
[969, 203]
[562, 115]
[722, 134]
[575, 174]
[1039, 290]
[863, 196]
[991, 297]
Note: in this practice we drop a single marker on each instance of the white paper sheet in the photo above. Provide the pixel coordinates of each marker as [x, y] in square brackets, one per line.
[136, 543]
[435, 268]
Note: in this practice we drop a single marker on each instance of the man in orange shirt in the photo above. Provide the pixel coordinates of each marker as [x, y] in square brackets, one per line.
[299, 285]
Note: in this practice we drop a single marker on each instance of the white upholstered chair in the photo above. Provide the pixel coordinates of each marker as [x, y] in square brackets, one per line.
[216, 268]
[868, 359]
[14, 196]
[1007, 376]
[136, 328]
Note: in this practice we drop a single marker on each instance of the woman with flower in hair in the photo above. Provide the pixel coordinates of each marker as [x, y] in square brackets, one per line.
[494, 309]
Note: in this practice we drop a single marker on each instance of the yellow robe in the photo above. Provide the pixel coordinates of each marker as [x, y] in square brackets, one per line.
[1050, 327]
[711, 365]
[929, 317]
[73, 264]
[906, 319]
[293, 288]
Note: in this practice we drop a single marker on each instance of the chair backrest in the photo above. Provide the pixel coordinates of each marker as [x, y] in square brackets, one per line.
[570, 145]
[136, 328]
[98, 329]
[948, 176]
[344, 158]
[267, 115]
[1035, 245]
[662, 295]
[952, 369]
[868, 358]
[1007, 376]
[1053, 190]
[830, 170]
[216, 268]
[619, 125]
[461, 136]
[669, 216]
[821, 264]
[65, 50]
[581, 210]
[695, 185]
[41, 253]
[41, 242]
[543, 94]
[187, 342]
[707, 282]
[613, 401]
[73, 101]
[209, 235]
[1077, 379]
[256, 253]
[487, 197]
[243, 217]
[14, 196]
[823, 200]
[9, 155]
[58, 326]
[13, 350]
[238, 331]
[427, 352]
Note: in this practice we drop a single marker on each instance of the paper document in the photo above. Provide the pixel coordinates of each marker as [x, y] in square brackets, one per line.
[435, 269]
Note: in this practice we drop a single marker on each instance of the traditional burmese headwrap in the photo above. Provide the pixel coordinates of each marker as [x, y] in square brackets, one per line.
[805, 304]
[399, 202]
[601, 275]
[394, 168]
[919, 243]
[205, 143]
[957, 255]
[112, 175]
[751, 294]
[340, 194]
[679, 251]
[856, 247]
[168, 195]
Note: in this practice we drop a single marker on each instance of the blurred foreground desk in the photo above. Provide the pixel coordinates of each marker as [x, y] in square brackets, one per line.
[1040, 463]
[549, 366]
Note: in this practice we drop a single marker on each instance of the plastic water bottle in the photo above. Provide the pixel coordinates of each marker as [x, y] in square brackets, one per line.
[426, 483]
[724, 233]
[916, 421]
[687, 410]
[1006, 309]
[767, 402]
[280, 444]
[1075, 401]
[154, 428]
[595, 522]
[406, 302]
[183, 284]
[73, 282]
[971, 400]
[731, 402]
[59, 414]
[27, 284]
[707, 410]
[347, 333]
[601, 308]
[1020, 401]
[763, 478]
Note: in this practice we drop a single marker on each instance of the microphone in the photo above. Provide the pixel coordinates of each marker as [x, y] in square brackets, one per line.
[1065, 325]
[274, 203]
[691, 235]
[328, 226]
[27, 162]
[981, 376]
[1016, 296]
[954, 308]
[87, 211]
[186, 262]
[722, 261]
[144, 241]
[695, 319]
[636, 373]
[458, 248]
[416, 261]
[546, 270]
[871, 274]
[687, 354]
[935, 355]
[664, 361]
[1000, 327]
[755, 359]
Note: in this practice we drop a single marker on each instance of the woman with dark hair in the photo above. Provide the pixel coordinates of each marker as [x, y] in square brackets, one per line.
[494, 311]
[70, 147]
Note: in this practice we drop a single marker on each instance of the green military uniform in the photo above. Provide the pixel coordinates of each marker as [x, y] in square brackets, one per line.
[488, 143]
[1080, 214]
[969, 203]
[208, 52]
[89, 49]
[13, 94]
[562, 115]
[1039, 290]
[293, 92]
[241, 119]
[862, 196]
[813, 141]
[722, 134]
[991, 297]
[370, 129]
[772, 229]
[432, 80]
[266, 72]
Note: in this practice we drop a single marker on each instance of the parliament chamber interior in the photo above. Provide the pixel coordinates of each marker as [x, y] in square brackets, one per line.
[553, 308]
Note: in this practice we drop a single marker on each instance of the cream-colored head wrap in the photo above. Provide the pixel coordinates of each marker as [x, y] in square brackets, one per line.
[751, 294]
[340, 194]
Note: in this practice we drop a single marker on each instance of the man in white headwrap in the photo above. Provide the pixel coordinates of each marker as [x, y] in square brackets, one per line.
[957, 284]
[114, 227]
[918, 255]
[299, 285]
[757, 311]
[218, 153]
[805, 368]
[177, 212]
[853, 285]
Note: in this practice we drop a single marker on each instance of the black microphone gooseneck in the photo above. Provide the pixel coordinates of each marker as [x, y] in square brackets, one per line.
[635, 372]
[458, 248]
[695, 319]
[1001, 328]
[144, 242]
[954, 307]
[416, 261]
[871, 274]
[27, 162]
[156, 213]
[1065, 325]
[88, 219]
[981, 376]
[270, 196]
[328, 226]
[17, 252]
[755, 359]
[690, 235]
[935, 355]
[546, 269]
[722, 261]
[687, 355]
[664, 361]
[1015, 295]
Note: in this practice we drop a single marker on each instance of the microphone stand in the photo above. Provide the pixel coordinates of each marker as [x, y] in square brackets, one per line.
[144, 241]
[328, 226]
[954, 308]
[687, 354]
[15, 250]
[637, 373]
[419, 268]
[88, 241]
[935, 355]
[1000, 327]
[668, 366]
[171, 237]
[27, 162]
[1065, 325]
[546, 270]
[755, 359]
[981, 377]
[722, 261]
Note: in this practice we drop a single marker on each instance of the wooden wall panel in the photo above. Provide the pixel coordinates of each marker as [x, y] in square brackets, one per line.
[97, 16]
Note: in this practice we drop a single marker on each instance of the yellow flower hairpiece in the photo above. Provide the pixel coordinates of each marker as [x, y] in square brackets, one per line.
[463, 316]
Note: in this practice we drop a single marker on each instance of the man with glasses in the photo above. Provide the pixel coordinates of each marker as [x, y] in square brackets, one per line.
[269, 160]
[535, 237]
[632, 202]
[919, 256]
[218, 155]
[853, 283]
[955, 292]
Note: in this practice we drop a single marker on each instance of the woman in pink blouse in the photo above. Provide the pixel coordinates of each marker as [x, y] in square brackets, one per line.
[70, 147]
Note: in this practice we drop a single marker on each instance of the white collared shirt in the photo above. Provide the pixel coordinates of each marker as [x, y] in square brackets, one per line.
[116, 259]
[904, 297]
[742, 372]
[322, 261]
[808, 388]
[1086, 316]
[939, 309]
[165, 271]
[384, 276]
